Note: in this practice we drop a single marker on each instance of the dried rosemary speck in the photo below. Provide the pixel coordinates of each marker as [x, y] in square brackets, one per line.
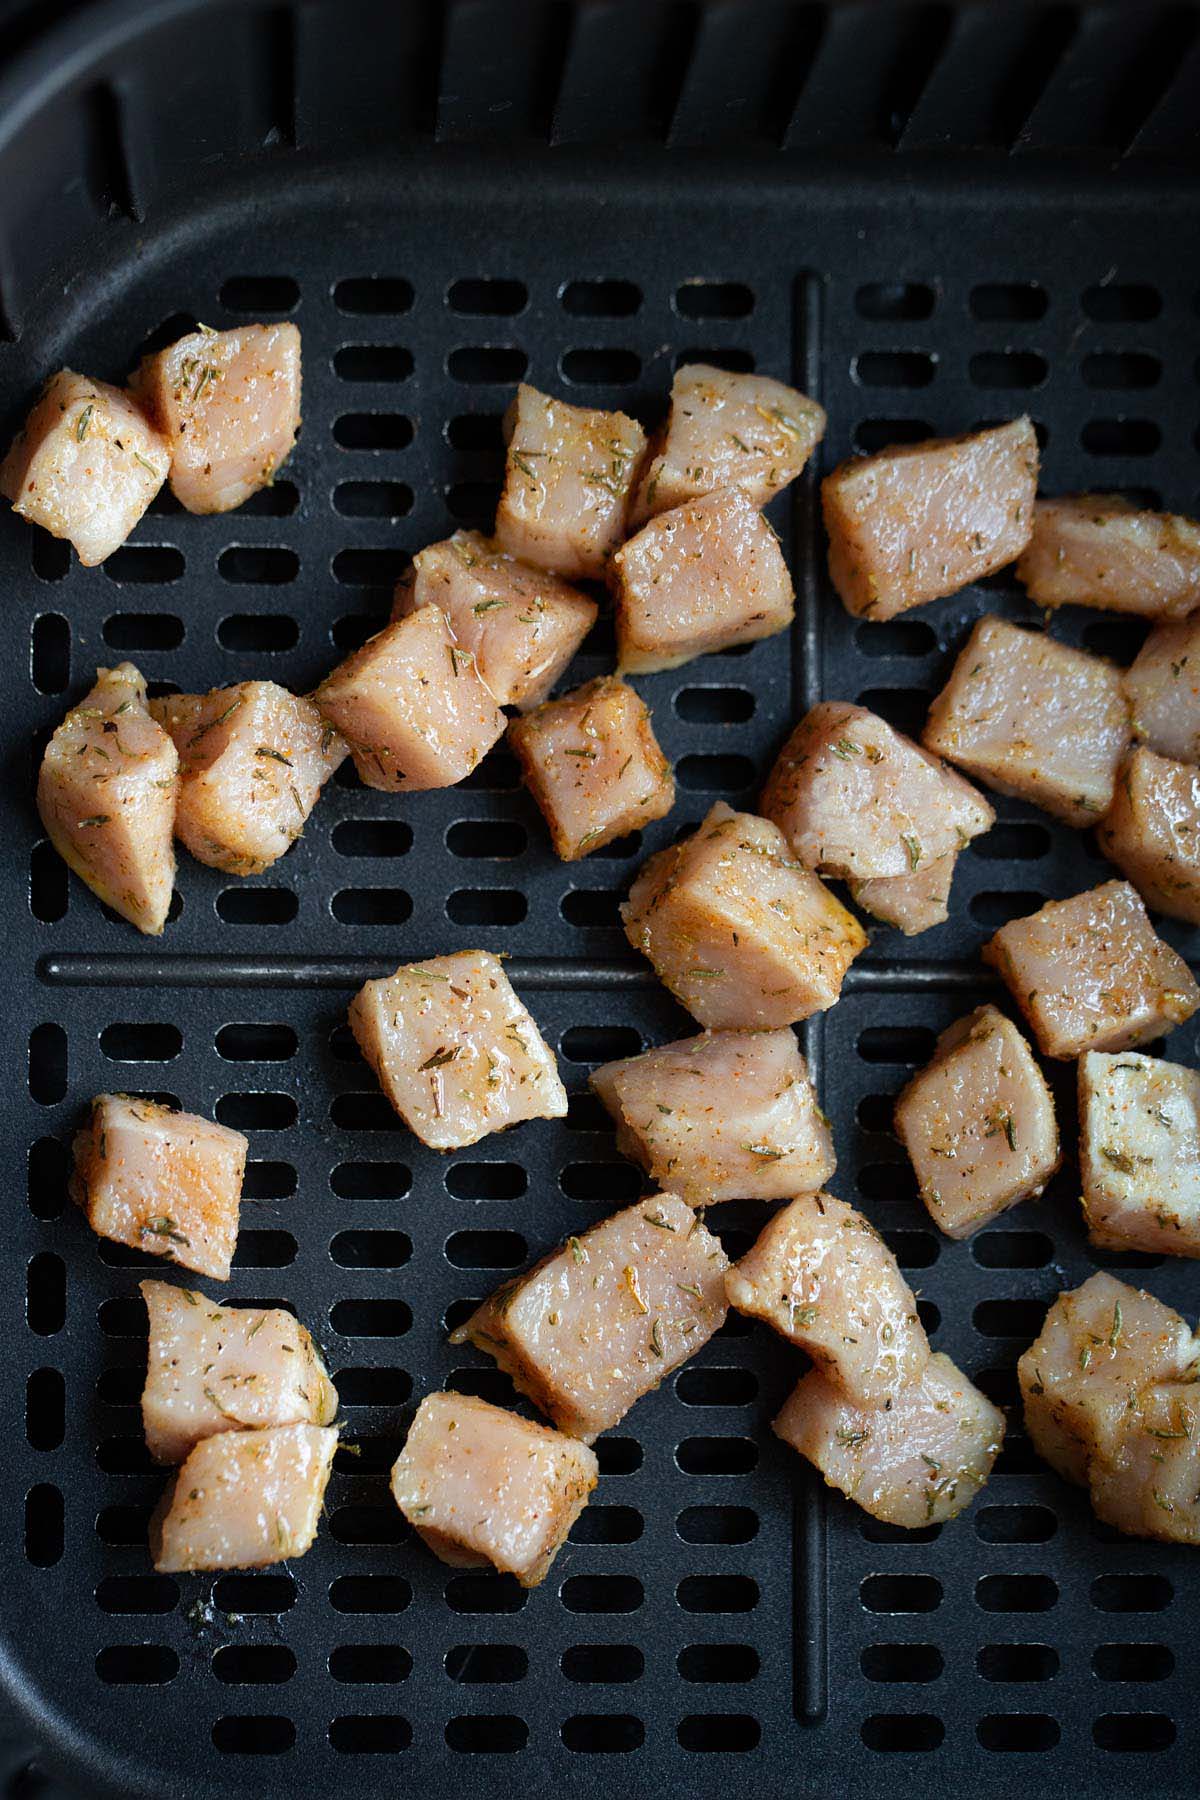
[83, 422]
[578, 1253]
[656, 1337]
[440, 1058]
[275, 755]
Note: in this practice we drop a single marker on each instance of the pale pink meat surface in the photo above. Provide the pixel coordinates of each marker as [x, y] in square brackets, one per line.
[244, 1499]
[455, 1051]
[916, 521]
[85, 465]
[978, 1123]
[1139, 1153]
[1098, 550]
[722, 1116]
[228, 404]
[220, 1368]
[918, 1464]
[482, 1485]
[106, 795]
[597, 1324]
[1153, 1491]
[820, 1273]
[593, 764]
[913, 903]
[568, 477]
[1091, 973]
[1033, 718]
[1152, 832]
[521, 624]
[741, 933]
[1162, 686]
[705, 576]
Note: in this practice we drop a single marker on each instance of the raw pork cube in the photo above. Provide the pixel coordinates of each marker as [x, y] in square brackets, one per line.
[918, 1464]
[916, 521]
[567, 481]
[412, 706]
[740, 932]
[252, 762]
[244, 1499]
[482, 1485]
[978, 1124]
[1152, 832]
[1098, 550]
[1090, 973]
[705, 576]
[228, 403]
[521, 624]
[914, 902]
[1153, 1490]
[727, 431]
[1163, 690]
[106, 795]
[1033, 718]
[166, 1182]
[455, 1052]
[824, 1278]
[1139, 1153]
[594, 766]
[85, 465]
[597, 1324]
[213, 1368]
[853, 797]
[723, 1116]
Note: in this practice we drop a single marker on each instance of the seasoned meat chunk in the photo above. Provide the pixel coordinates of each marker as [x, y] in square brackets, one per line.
[1033, 718]
[521, 624]
[228, 404]
[106, 795]
[740, 932]
[918, 1464]
[252, 762]
[1153, 1491]
[456, 1053]
[1098, 550]
[1139, 1153]
[567, 482]
[916, 521]
[166, 1182]
[913, 903]
[85, 465]
[722, 1116]
[1152, 832]
[1163, 689]
[824, 1278]
[705, 576]
[1091, 973]
[593, 764]
[244, 1499]
[978, 1123]
[216, 1368]
[482, 1485]
[597, 1324]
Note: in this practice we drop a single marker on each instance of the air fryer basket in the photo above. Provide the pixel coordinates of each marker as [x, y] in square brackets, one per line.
[930, 216]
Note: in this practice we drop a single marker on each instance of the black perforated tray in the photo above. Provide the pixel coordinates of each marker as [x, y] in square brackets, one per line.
[929, 217]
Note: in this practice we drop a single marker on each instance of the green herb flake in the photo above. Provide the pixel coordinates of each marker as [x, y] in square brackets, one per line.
[84, 421]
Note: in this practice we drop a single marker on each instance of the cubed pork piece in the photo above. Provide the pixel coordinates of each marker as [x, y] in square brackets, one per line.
[1033, 718]
[593, 764]
[913, 903]
[482, 1485]
[85, 465]
[1099, 550]
[918, 1464]
[597, 1324]
[824, 1278]
[740, 932]
[568, 477]
[412, 706]
[228, 404]
[1139, 1153]
[1153, 1490]
[166, 1182]
[978, 1124]
[455, 1052]
[705, 576]
[1162, 686]
[220, 1368]
[521, 624]
[1152, 832]
[855, 798]
[252, 762]
[244, 1499]
[1091, 973]
[727, 431]
[722, 1116]
[106, 795]
[916, 521]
